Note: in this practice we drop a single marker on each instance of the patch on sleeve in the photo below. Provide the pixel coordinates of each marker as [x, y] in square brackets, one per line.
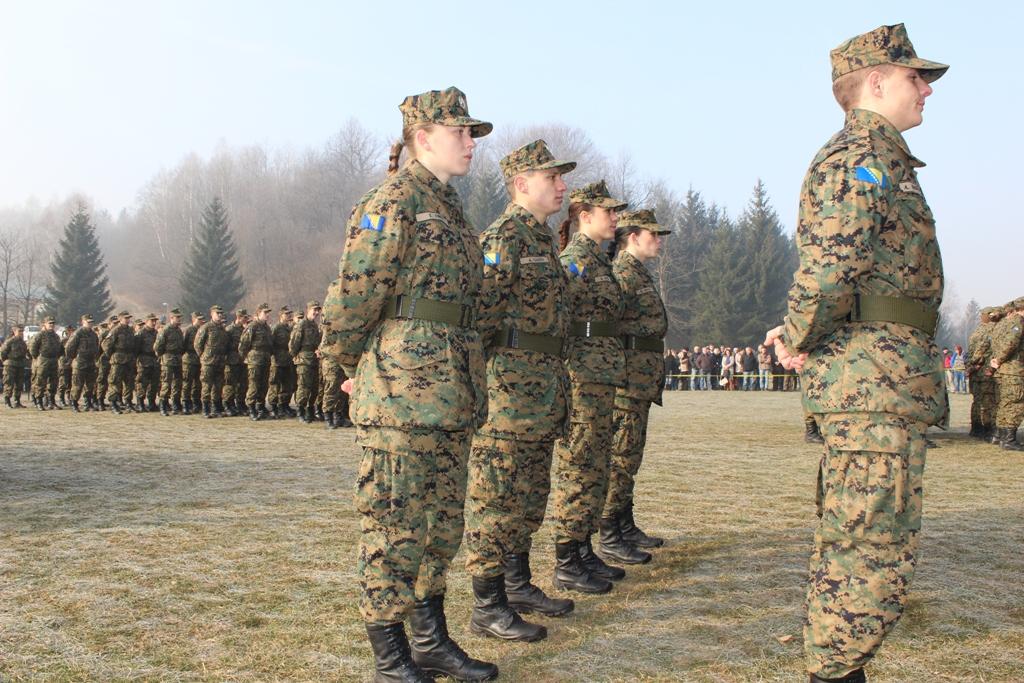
[871, 175]
[372, 221]
[576, 269]
[492, 258]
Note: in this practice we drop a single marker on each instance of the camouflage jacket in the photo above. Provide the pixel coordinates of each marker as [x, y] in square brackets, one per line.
[865, 228]
[14, 352]
[256, 345]
[211, 344]
[327, 335]
[643, 316]
[524, 287]
[170, 345]
[234, 331]
[119, 345]
[45, 348]
[190, 357]
[281, 335]
[304, 342]
[1008, 346]
[408, 236]
[83, 348]
[979, 347]
[594, 296]
[144, 339]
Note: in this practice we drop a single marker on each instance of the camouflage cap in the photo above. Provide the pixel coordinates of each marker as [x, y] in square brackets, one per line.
[263, 307]
[1017, 304]
[216, 308]
[112, 319]
[124, 314]
[313, 304]
[643, 220]
[241, 313]
[87, 318]
[152, 316]
[884, 45]
[445, 107]
[174, 311]
[49, 319]
[199, 316]
[139, 322]
[596, 194]
[285, 310]
[534, 156]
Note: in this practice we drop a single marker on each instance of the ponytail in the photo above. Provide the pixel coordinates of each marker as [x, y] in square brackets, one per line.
[406, 143]
[620, 241]
[394, 156]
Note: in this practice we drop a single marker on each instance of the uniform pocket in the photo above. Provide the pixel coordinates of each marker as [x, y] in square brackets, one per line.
[413, 349]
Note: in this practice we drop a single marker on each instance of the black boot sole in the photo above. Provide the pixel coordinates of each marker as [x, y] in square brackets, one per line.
[530, 609]
[565, 586]
[619, 559]
[481, 631]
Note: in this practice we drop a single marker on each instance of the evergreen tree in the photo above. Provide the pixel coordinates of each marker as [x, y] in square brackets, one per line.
[78, 283]
[483, 194]
[210, 275]
[717, 305]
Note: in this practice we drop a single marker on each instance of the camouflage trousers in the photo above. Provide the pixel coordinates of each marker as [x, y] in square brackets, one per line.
[869, 503]
[307, 385]
[983, 405]
[170, 383]
[332, 398]
[256, 384]
[236, 382]
[1010, 406]
[102, 377]
[509, 482]
[44, 379]
[63, 378]
[128, 389]
[629, 421]
[147, 382]
[83, 379]
[580, 482]
[212, 377]
[117, 382]
[410, 491]
[191, 387]
[282, 384]
[14, 379]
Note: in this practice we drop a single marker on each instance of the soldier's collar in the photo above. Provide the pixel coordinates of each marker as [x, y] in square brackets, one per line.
[592, 245]
[423, 174]
[528, 218]
[874, 122]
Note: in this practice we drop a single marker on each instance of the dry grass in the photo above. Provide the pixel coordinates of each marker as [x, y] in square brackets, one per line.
[140, 548]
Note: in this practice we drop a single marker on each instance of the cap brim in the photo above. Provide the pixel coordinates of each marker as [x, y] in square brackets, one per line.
[608, 203]
[477, 128]
[562, 166]
[930, 71]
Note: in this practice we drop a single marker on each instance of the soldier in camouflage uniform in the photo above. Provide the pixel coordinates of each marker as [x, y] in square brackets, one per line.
[103, 364]
[211, 345]
[982, 385]
[596, 366]
[132, 370]
[861, 322]
[333, 400]
[45, 349]
[256, 347]
[303, 345]
[14, 354]
[1008, 362]
[119, 347]
[191, 387]
[64, 367]
[643, 327]
[524, 317]
[282, 369]
[83, 352]
[234, 369]
[147, 377]
[169, 348]
[403, 309]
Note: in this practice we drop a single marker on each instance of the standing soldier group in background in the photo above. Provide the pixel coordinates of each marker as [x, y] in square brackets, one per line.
[146, 366]
[995, 357]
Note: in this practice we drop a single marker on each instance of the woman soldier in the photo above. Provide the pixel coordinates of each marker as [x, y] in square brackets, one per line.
[596, 367]
[643, 328]
[403, 314]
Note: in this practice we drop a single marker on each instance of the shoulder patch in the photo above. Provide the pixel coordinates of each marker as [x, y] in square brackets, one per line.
[492, 258]
[872, 175]
[372, 221]
[576, 269]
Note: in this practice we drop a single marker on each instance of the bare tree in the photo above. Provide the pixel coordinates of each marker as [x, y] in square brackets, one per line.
[10, 264]
[29, 279]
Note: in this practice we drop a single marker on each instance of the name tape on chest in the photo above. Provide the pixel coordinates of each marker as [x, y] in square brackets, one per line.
[531, 260]
[430, 216]
[603, 278]
[645, 290]
[910, 186]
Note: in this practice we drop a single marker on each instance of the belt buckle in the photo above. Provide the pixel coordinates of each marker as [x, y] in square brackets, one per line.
[587, 334]
[466, 316]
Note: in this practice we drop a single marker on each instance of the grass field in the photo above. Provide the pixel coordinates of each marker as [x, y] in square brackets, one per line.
[142, 548]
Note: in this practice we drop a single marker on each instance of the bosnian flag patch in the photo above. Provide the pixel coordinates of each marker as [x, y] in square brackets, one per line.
[372, 221]
[872, 175]
[576, 269]
[492, 258]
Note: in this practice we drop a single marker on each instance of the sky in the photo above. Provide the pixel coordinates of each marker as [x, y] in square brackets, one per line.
[97, 97]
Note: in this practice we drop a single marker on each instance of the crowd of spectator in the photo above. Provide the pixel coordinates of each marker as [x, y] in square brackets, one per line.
[955, 364]
[725, 368]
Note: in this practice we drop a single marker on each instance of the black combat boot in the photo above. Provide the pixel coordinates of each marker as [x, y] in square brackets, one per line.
[63, 399]
[856, 676]
[812, 434]
[254, 412]
[227, 409]
[632, 533]
[114, 407]
[17, 403]
[7, 402]
[329, 422]
[263, 411]
[53, 402]
[1009, 442]
[103, 403]
[320, 417]
[595, 565]
[207, 413]
[186, 407]
[74, 406]
[493, 617]
[392, 655]
[614, 547]
[572, 575]
[165, 408]
[304, 416]
[435, 652]
[39, 403]
[523, 596]
[176, 408]
[218, 409]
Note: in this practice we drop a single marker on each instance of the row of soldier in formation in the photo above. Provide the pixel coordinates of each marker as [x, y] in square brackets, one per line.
[211, 367]
[995, 365]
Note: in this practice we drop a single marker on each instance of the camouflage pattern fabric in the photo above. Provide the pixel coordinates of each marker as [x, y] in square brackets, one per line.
[332, 398]
[864, 227]
[509, 483]
[147, 367]
[302, 345]
[629, 425]
[83, 352]
[190, 384]
[1007, 347]
[14, 380]
[169, 348]
[581, 463]
[102, 365]
[983, 386]
[870, 508]
[211, 345]
[256, 347]
[884, 45]
[446, 107]
[235, 376]
[410, 492]
[533, 156]
[63, 368]
[45, 349]
[282, 370]
[14, 354]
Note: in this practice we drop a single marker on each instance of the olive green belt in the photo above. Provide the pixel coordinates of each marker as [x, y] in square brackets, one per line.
[629, 342]
[894, 309]
[512, 338]
[419, 308]
[594, 328]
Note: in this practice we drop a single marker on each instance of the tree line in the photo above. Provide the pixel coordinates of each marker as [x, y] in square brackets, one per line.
[250, 225]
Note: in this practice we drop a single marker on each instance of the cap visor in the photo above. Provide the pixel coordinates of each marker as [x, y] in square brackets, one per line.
[562, 166]
[930, 71]
[477, 128]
